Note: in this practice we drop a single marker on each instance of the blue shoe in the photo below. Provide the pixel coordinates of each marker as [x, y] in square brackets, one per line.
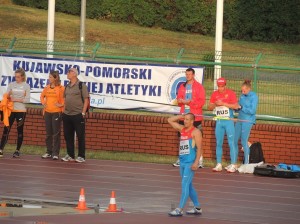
[176, 212]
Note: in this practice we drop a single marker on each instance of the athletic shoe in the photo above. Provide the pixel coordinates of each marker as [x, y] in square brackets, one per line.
[55, 157]
[46, 156]
[1, 153]
[200, 165]
[194, 211]
[67, 158]
[227, 167]
[176, 212]
[232, 168]
[80, 160]
[177, 164]
[218, 168]
[16, 154]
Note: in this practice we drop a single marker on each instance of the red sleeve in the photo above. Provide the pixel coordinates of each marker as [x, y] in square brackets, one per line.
[198, 99]
[213, 98]
[181, 94]
[233, 98]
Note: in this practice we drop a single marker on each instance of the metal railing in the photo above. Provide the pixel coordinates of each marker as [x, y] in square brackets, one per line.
[275, 78]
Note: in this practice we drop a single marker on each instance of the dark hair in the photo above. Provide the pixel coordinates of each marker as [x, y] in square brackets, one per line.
[55, 75]
[22, 73]
[247, 83]
[191, 115]
[190, 70]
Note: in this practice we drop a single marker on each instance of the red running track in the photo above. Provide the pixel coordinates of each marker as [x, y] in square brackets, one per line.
[146, 191]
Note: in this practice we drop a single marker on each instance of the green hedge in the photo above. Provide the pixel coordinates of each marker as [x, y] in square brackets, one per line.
[257, 20]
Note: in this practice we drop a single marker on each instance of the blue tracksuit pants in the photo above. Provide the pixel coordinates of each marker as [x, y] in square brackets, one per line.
[242, 131]
[187, 189]
[222, 127]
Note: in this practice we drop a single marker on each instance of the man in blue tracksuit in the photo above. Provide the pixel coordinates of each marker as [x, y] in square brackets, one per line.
[190, 150]
[247, 114]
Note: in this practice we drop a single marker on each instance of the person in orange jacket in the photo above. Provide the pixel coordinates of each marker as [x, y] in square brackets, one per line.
[52, 98]
[191, 99]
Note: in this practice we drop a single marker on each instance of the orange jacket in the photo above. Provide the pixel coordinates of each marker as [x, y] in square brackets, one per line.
[6, 106]
[51, 96]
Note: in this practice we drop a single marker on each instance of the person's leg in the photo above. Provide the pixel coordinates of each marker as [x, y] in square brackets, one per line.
[229, 127]
[49, 132]
[246, 129]
[186, 180]
[194, 196]
[20, 117]
[69, 132]
[79, 124]
[56, 129]
[219, 132]
[6, 131]
[237, 136]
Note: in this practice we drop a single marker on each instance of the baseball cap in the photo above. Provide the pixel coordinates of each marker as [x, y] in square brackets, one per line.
[221, 81]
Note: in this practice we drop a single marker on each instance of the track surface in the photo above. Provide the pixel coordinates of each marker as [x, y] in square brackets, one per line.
[146, 192]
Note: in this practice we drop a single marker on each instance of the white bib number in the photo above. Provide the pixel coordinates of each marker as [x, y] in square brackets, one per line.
[184, 147]
[222, 111]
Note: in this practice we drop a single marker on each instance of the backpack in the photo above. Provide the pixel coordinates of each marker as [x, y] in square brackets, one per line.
[89, 104]
[256, 153]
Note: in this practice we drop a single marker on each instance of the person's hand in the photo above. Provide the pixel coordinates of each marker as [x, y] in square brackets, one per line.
[179, 100]
[219, 103]
[194, 167]
[186, 101]
[59, 105]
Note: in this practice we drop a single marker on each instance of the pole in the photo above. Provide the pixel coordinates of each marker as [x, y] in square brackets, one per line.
[218, 40]
[50, 30]
[82, 26]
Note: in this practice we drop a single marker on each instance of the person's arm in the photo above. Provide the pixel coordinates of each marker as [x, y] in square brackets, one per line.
[198, 99]
[42, 97]
[198, 141]
[233, 102]
[212, 105]
[252, 108]
[229, 105]
[173, 121]
[180, 96]
[61, 100]
[27, 94]
[86, 98]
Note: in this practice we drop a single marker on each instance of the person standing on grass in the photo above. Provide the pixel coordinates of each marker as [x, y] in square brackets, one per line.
[19, 93]
[76, 98]
[247, 111]
[190, 151]
[52, 98]
[191, 99]
[224, 101]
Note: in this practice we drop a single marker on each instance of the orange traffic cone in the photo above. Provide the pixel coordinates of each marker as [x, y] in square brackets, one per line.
[112, 207]
[81, 202]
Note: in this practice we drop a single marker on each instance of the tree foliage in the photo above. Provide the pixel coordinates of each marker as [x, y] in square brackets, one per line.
[257, 20]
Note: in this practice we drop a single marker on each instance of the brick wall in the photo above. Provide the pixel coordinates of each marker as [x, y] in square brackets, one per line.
[152, 134]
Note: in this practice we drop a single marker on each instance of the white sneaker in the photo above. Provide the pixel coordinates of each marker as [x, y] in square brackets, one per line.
[176, 212]
[177, 164]
[218, 168]
[67, 158]
[200, 164]
[46, 156]
[80, 160]
[232, 168]
[227, 167]
[194, 211]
